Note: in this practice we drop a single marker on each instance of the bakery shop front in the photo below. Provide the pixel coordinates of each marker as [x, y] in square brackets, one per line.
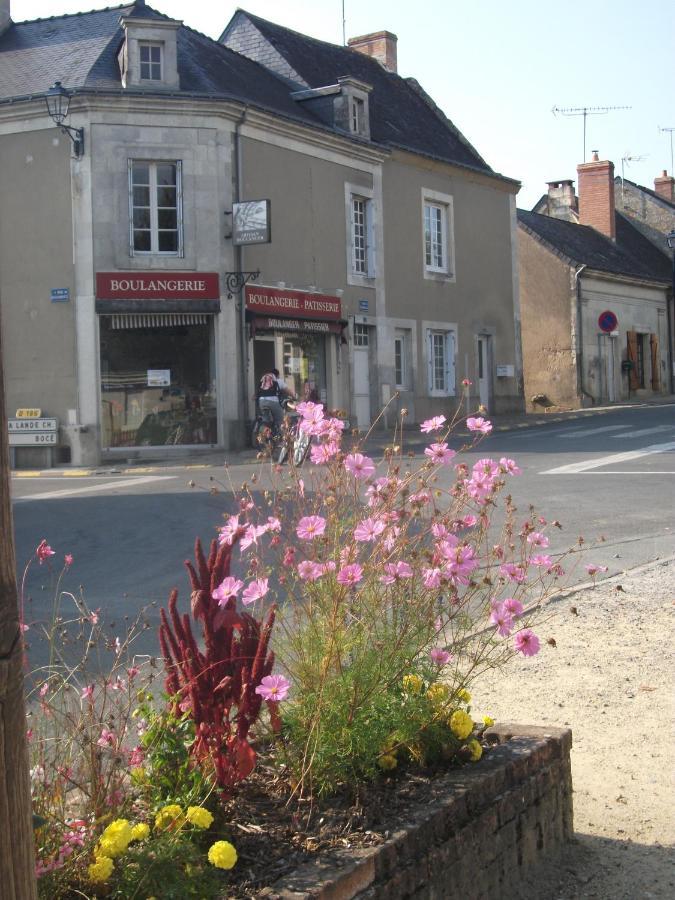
[157, 358]
[300, 334]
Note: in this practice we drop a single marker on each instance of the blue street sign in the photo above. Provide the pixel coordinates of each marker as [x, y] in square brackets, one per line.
[60, 295]
[363, 305]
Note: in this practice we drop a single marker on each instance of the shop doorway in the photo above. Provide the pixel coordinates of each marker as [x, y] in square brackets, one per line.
[264, 359]
[300, 359]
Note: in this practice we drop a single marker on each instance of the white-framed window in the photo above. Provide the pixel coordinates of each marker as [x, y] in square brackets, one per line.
[150, 58]
[401, 350]
[441, 362]
[437, 235]
[358, 115]
[361, 227]
[155, 208]
[361, 335]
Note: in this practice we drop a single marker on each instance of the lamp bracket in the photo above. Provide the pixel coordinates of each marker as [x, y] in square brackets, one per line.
[235, 281]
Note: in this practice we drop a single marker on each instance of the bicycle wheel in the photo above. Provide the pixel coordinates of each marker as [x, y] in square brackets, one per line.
[300, 448]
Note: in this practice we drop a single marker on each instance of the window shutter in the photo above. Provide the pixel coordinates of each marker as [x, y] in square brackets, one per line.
[656, 367]
[430, 361]
[633, 375]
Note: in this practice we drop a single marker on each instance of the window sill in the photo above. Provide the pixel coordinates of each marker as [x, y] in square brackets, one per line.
[437, 275]
[358, 280]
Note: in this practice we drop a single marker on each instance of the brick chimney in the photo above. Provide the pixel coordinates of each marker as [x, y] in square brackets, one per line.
[562, 202]
[664, 186]
[381, 45]
[5, 19]
[596, 195]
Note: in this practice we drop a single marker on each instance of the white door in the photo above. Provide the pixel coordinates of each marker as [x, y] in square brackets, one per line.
[361, 375]
[484, 369]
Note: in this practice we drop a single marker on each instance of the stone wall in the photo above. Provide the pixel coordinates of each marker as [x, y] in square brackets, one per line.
[490, 823]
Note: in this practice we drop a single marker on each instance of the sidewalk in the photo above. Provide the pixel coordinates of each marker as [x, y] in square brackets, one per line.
[377, 441]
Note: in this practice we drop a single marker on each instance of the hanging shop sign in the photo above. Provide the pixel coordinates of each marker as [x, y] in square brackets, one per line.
[306, 326]
[157, 286]
[292, 304]
[251, 222]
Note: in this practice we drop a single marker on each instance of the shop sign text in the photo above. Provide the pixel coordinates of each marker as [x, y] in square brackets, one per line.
[157, 286]
[284, 302]
[266, 323]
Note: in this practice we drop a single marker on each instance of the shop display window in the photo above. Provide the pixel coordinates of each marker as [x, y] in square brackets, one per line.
[157, 381]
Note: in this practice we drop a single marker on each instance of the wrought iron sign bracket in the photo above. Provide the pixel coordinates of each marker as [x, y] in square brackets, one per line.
[235, 281]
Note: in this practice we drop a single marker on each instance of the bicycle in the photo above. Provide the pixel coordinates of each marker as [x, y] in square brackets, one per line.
[295, 439]
[266, 436]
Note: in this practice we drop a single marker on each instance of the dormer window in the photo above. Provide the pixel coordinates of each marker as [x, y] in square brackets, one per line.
[358, 115]
[151, 61]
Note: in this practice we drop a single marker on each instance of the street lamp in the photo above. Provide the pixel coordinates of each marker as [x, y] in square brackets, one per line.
[57, 99]
[670, 237]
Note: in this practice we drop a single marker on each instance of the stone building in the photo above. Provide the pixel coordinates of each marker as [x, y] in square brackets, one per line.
[595, 298]
[377, 246]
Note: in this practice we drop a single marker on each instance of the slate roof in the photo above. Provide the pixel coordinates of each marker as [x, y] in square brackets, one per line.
[632, 255]
[401, 113]
[81, 51]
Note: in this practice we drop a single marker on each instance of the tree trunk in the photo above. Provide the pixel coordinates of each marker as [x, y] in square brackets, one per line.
[17, 857]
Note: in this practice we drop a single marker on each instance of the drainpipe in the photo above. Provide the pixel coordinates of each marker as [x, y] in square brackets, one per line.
[243, 360]
[580, 337]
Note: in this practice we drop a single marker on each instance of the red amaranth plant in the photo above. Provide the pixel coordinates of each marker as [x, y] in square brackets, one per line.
[217, 685]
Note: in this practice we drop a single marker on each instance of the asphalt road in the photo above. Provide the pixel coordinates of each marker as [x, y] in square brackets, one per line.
[609, 475]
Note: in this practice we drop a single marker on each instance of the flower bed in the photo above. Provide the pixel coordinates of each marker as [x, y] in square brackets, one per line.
[481, 829]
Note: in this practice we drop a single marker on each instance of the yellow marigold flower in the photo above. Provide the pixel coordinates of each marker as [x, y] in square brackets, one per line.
[199, 816]
[461, 724]
[222, 855]
[101, 870]
[387, 762]
[488, 721]
[476, 750]
[140, 832]
[110, 846]
[438, 693]
[464, 696]
[412, 684]
[170, 816]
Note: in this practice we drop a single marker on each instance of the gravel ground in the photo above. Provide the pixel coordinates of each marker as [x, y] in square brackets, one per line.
[610, 678]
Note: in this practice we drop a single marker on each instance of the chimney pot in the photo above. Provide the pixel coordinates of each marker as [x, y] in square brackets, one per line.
[596, 195]
[664, 186]
[380, 45]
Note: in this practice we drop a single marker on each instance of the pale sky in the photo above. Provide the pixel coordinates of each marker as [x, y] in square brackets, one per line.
[497, 69]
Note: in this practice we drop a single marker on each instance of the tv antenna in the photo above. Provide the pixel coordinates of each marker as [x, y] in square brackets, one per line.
[586, 111]
[627, 158]
[671, 130]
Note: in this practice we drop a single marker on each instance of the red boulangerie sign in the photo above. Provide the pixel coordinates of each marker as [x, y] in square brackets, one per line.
[157, 285]
[284, 302]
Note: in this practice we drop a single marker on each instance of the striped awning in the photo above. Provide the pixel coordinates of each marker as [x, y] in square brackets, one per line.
[156, 320]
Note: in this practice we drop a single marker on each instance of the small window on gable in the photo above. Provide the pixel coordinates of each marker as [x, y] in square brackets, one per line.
[358, 120]
[151, 61]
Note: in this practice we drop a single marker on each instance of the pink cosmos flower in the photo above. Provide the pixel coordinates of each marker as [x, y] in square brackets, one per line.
[310, 412]
[118, 684]
[478, 423]
[501, 618]
[448, 545]
[526, 642]
[273, 688]
[396, 571]
[593, 569]
[228, 532]
[328, 567]
[289, 557]
[251, 535]
[44, 689]
[132, 672]
[93, 617]
[439, 530]
[431, 578]
[541, 560]
[107, 738]
[359, 466]
[310, 527]
[419, 498]
[43, 551]
[513, 607]
[350, 574]
[320, 454]
[136, 756]
[23, 627]
[68, 559]
[433, 424]
[513, 572]
[469, 520]
[229, 587]
[466, 382]
[440, 657]
[87, 693]
[509, 465]
[486, 466]
[273, 524]
[255, 591]
[369, 529]
[310, 571]
[537, 539]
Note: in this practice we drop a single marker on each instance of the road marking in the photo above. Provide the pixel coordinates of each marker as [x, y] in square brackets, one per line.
[586, 432]
[108, 486]
[643, 431]
[578, 467]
